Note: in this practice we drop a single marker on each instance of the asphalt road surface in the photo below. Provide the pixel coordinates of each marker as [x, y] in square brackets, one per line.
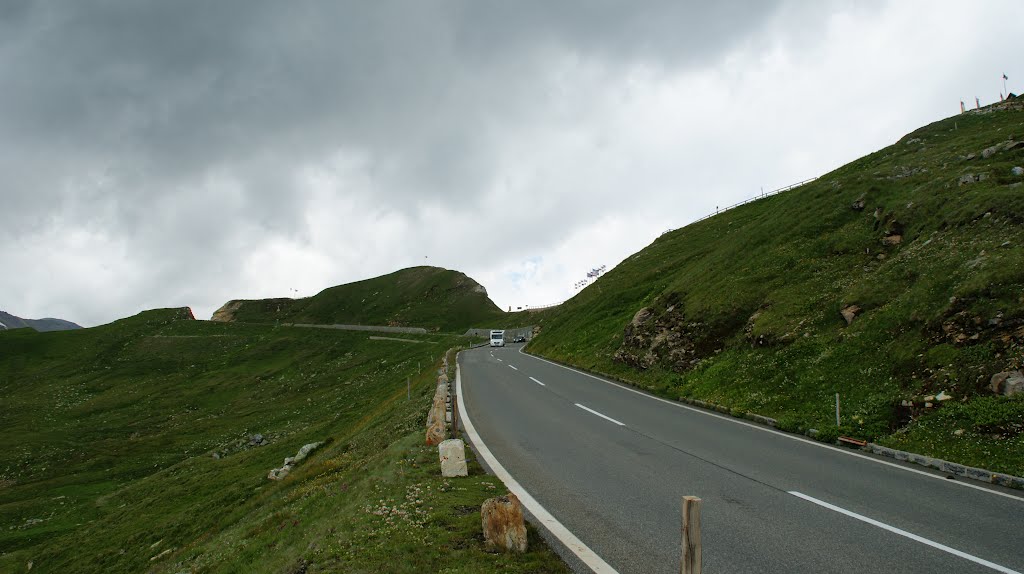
[611, 464]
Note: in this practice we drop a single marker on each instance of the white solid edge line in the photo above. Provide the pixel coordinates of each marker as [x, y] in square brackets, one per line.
[575, 545]
[606, 417]
[790, 436]
[915, 537]
[538, 382]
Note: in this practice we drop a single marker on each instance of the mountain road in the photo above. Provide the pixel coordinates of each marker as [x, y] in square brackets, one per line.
[611, 464]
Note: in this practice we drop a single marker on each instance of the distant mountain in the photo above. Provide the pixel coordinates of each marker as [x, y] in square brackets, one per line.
[8, 321]
[429, 297]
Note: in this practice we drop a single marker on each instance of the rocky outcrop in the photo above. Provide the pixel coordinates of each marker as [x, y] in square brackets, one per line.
[226, 313]
[960, 326]
[902, 171]
[291, 462]
[1000, 147]
[241, 444]
[969, 178]
[673, 338]
[1007, 383]
[504, 528]
[963, 324]
[850, 313]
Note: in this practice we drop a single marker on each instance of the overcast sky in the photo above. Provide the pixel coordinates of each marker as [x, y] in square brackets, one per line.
[164, 154]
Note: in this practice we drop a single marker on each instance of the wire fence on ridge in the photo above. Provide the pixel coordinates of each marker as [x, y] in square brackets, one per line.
[762, 195]
[751, 200]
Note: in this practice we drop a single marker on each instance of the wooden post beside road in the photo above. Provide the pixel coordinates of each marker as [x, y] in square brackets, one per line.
[837, 411]
[691, 536]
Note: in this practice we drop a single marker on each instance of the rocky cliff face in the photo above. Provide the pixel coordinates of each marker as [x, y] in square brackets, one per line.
[665, 334]
[226, 313]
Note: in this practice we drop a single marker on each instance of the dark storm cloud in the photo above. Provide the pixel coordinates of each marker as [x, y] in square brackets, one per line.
[176, 129]
[164, 91]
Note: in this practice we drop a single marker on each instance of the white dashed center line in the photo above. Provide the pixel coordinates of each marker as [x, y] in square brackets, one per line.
[592, 411]
[538, 382]
[513, 367]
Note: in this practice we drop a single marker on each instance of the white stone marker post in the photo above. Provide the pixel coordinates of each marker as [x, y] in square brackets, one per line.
[453, 458]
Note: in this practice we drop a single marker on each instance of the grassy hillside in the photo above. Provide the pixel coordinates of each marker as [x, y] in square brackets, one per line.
[922, 243]
[131, 447]
[429, 297]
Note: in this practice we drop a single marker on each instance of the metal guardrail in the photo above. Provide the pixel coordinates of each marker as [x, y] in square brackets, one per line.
[751, 200]
[539, 307]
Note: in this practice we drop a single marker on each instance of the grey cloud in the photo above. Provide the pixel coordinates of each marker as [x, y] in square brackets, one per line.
[174, 89]
[612, 30]
[121, 116]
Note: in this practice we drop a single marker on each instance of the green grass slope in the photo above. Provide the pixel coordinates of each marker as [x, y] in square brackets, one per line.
[429, 297]
[128, 448]
[925, 238]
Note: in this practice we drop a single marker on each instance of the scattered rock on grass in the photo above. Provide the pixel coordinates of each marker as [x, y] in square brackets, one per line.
[850, 313]
[291, 461]
[279, 473]
[1007, 383]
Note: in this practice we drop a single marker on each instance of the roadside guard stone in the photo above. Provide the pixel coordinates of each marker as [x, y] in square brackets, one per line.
[436, 427]
[436, 433]
[504, 528]
[437, 407]
[453, 458]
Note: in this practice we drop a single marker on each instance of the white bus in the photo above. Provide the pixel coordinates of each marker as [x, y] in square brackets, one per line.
[497, 338]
